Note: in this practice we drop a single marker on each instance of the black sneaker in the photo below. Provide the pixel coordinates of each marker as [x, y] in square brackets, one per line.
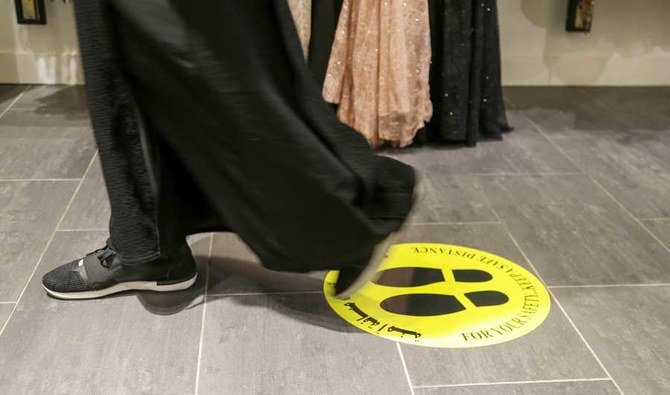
[351, 279]
[101, 273]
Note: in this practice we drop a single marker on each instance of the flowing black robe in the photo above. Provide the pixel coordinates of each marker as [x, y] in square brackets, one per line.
[222, 90]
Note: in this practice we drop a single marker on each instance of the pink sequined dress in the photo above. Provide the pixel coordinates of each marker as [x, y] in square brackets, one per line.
[379, 69]
[301, 10]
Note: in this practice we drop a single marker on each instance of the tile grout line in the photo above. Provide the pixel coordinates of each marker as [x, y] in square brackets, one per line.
[85, 230]
[455, 223]
[16, 99]
[581, 336]
[565, 313]
[568, 173]
[48, 244]
[602, 188]
[38, 179]
[204, 315]
[558, 303]
[7, 302]
[404, 366]
[639, 222]
[265, 293]
[513, 383]
[655, 219]
[608, 286]
[514, 241]
[81, 182]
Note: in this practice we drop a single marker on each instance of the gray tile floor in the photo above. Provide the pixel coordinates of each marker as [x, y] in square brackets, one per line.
[578, 193]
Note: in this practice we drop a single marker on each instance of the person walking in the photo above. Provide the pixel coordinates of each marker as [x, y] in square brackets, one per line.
[208, 118]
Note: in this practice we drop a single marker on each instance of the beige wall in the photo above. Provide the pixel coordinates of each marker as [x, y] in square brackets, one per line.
[39, 54]
[629, 45]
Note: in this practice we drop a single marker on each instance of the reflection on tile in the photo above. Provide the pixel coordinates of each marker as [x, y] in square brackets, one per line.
[628, 329]
[640, 102]
[54, 99]
[452, 198]
[90, 208]
[44, 145]
[7, 95]
[548, 97]
[551, 352]
[633, 166]
[563, 112]
[660, 228]
[129, 343]
[563, 388]
[618, 136]
[522, 151]
[574, 233]
[586, 117]
[532, 357]
[29, 213]
[236, 269]
[5, 311]
[287, 344]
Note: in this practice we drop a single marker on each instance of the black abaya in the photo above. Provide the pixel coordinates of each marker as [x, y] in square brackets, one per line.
[224, 84]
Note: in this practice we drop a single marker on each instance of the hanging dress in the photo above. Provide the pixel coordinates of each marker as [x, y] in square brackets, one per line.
[379, 69]
[465, 72]
[301, 10]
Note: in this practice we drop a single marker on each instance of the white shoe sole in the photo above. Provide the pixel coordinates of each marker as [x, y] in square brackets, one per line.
[122, 287]
[371, 271]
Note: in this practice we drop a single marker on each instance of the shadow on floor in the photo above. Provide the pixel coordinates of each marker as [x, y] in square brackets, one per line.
[311, 309]
[634, 111]
[297, 296]
[69, 101]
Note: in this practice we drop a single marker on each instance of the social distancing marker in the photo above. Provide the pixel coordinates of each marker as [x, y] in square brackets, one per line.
[439, 295]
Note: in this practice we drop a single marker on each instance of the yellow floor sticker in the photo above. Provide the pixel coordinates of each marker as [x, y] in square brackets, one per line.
[439, 295]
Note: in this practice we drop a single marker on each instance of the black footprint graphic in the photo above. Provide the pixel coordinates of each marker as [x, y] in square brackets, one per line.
[427, 305]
